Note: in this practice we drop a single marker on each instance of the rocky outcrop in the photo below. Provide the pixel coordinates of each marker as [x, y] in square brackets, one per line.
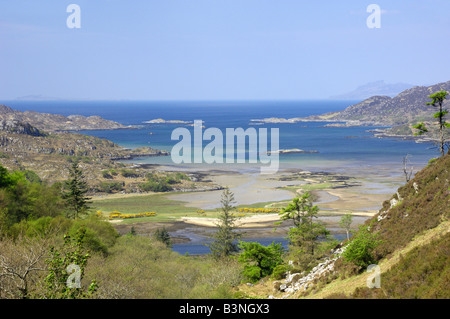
[55, 122]
[14, 126]
[302, 281]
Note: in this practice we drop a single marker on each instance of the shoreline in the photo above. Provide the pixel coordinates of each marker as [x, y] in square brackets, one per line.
[360, 191]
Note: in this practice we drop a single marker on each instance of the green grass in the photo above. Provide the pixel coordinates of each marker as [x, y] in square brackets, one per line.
[309, 187]
[166, 209]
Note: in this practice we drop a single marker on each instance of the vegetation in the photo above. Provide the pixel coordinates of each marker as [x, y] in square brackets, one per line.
[438, 99]
[346, 223]
[59, 284]
[37, 251]
[76, 192]
[360, 249]
[225, 237]
[163, 236]
[259, 261]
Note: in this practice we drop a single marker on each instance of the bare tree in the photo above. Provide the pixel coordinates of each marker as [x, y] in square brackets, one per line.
[408, 171]
[21, 264]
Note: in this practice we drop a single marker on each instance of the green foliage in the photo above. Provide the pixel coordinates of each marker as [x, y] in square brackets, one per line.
[279, 271]
[127, 173]
[259, 261]
[56, 281]
[110, 187]
[297, 210]
[346, 222]
[153, 186]
[144, 268]
[422, 129]
[76, 192]
[21, 199]
[423, 273]
[225, 237]
[106, 174]
[437, 100]
[306, 233]
[360, 249]
[162, 235]
[32, 177]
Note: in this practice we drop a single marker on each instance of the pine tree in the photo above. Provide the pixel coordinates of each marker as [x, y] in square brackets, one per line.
[76, 192]
[163, 236]
[225, 237]
[306, 233]
[438, 99]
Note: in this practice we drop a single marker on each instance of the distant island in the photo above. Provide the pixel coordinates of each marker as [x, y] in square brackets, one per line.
[162, 121]
[398, 114]
[374, 88]
[290, 151]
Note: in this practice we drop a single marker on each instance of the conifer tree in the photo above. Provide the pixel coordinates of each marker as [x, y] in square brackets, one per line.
[225, 238]
[437, 100]
[76, 192]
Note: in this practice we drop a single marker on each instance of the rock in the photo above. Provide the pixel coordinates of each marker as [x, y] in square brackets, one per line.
[416, 187]
[277, 285]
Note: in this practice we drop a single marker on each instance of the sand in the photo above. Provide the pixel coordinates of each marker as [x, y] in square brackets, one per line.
[364, 199]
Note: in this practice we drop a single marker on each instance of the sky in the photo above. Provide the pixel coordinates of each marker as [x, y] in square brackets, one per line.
[218, 49]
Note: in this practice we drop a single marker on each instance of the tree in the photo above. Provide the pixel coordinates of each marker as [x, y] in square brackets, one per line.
[163, 236]
[438, 99]
[304, 236]
[259, 261]
[76, 192]
[61, 262]
[225, 237]
[346, 222]
[407, 171]
[297, 210]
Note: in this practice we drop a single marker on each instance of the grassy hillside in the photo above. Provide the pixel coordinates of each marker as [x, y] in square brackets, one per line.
[414, 254]
[413, 230]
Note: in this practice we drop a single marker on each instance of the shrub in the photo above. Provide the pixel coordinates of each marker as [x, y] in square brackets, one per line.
[259, 261]
[359, 250]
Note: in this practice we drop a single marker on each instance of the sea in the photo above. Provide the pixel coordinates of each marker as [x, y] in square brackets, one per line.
[338, 149]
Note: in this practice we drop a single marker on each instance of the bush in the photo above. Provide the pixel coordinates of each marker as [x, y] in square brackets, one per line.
[127, 173]
[109, 187]
[359, 250]
[259, 261]
[155, 187]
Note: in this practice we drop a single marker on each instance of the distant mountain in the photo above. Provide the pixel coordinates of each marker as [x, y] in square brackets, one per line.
[372, 89]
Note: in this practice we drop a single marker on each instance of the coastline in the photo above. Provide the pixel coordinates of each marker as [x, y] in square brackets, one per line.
[359, 191]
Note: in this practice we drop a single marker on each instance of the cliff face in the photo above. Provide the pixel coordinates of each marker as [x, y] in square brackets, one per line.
[55, 122]
[13, 126]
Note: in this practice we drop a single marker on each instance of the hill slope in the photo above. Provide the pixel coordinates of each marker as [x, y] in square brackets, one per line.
[55, 122]
[414, 254]
[407, 107]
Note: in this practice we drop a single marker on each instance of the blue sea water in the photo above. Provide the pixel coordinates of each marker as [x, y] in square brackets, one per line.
[339, 148]
[336, 146]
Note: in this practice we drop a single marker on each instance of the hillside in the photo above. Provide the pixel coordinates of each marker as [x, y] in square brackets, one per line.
[407, 107]
[55, 122]
[414, 254]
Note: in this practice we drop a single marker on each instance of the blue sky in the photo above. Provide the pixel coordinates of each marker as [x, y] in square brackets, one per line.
[218, 49]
